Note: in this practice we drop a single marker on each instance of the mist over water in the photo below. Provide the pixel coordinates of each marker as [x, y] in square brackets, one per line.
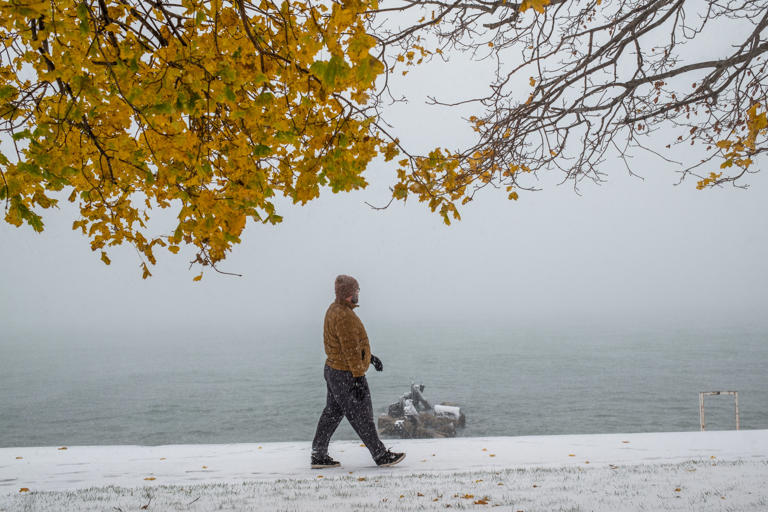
[155, 388]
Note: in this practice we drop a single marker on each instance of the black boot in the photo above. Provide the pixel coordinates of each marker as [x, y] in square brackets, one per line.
[389, 458]
[324, 461]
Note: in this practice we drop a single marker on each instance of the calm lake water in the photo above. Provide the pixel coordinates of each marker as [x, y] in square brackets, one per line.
[206, 388]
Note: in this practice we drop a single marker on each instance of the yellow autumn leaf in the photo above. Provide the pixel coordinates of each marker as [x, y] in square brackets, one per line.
[724, 144]
[24, 489]
[537, 5]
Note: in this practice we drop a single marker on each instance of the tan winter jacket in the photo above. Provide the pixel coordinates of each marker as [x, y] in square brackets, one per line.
[346, 342]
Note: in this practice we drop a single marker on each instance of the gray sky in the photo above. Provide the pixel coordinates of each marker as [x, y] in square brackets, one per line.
[630, 252]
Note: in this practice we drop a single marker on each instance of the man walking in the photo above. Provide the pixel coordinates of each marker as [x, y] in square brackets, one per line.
[349, 355]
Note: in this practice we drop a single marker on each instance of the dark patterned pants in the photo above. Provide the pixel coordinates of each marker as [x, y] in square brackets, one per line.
[343, 400]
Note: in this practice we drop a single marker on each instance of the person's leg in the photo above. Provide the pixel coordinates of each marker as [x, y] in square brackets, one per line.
[360, 416]
[358, 409]
[329, 421]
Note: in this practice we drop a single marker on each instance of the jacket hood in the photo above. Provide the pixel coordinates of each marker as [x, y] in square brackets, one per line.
[344, 287]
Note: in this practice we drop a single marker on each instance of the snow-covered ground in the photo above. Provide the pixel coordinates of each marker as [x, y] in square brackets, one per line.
[659, 471]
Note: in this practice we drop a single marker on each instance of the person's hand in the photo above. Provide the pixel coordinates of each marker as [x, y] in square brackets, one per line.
[376, 362]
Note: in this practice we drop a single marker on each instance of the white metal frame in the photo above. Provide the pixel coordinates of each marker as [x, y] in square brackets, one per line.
[702, 394]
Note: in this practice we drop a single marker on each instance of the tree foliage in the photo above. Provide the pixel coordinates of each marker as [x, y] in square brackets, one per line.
[211, 106]
[216, 108]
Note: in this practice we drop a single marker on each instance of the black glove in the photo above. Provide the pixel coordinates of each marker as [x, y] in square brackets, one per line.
[376, 362]
[358, 391]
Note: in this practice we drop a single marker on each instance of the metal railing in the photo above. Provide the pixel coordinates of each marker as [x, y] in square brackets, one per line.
[702, 394]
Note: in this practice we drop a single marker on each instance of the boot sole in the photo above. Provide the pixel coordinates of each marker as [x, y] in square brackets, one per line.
[397, 461]
[323, 466]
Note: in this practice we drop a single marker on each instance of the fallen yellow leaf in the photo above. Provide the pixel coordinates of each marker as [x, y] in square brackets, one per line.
[150, 478]
[468, 496]
[64, 448]
[162, 458]
[319, 476]
[24, 489]
[362, 479]
[485, 449]
[205, 467]
[478, 481]
[18, 458]
[492, 455]
[571, 454]
[677, 489]
[500, 483]
[481, 502]
[362, 445]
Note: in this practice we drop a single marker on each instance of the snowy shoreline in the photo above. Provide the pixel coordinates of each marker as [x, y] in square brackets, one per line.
[653, 471]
